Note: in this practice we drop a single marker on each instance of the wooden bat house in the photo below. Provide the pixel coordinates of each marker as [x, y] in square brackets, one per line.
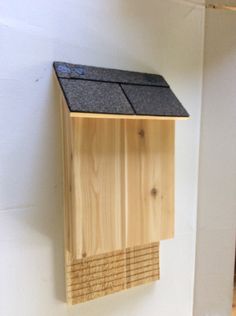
[118, 155]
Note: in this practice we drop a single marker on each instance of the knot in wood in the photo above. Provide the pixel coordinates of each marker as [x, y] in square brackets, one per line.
[84, 254]
[154, 192]
[141, 133]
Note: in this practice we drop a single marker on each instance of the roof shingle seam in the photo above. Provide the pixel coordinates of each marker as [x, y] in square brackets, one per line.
[127, 98]
[115, 82]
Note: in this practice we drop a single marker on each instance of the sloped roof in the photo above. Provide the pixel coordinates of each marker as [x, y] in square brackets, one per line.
[98, 90]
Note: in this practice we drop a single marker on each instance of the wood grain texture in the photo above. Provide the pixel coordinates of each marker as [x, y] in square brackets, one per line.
[126, 117]
[221, 7]
[149, 172]
[98, 176]
[119, 183]
[118, 202]
[100, 275]
[68, 200]
[93, 190]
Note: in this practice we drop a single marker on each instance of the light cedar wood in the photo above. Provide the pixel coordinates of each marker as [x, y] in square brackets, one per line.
[119, 183]
[125, 117]
[104, 251]
[221, 7]
[93, 190]
[98, 181]
[67, 181]
[149, 172]
[100, 275]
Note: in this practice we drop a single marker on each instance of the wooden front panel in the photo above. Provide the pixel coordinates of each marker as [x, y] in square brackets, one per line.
[119, 184]
[149, 181]
[98, 184]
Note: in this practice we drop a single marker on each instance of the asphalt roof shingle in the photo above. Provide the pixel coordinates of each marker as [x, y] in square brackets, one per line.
[101, 90]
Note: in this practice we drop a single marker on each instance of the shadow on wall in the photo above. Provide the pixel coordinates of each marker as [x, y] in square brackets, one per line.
[44, 218]
[49, 219]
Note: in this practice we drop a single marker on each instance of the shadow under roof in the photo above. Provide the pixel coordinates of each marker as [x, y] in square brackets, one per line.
[97, 90]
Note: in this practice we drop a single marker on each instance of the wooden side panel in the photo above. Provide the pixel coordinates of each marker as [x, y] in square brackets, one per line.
[98, 186]
[149, 181]
[100, 275]
[67, 180]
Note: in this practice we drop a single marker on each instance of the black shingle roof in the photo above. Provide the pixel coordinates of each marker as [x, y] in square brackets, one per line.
[101, 90]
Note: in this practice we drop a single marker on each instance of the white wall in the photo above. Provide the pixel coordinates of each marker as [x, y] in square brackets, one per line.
[217, 176]
[155, 36]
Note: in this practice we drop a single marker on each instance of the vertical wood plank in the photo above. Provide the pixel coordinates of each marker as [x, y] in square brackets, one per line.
[168, 181]
[97, 157]
[67, 176]
[149, 177]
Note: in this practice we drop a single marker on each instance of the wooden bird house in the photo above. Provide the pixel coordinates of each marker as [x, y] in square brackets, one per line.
[118, 150]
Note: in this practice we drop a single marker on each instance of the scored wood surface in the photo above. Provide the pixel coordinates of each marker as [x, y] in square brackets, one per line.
[118, 182]
[100, 275]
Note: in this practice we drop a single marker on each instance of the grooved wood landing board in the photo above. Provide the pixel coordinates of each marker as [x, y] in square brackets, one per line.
[100, 275]
[118, 182]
